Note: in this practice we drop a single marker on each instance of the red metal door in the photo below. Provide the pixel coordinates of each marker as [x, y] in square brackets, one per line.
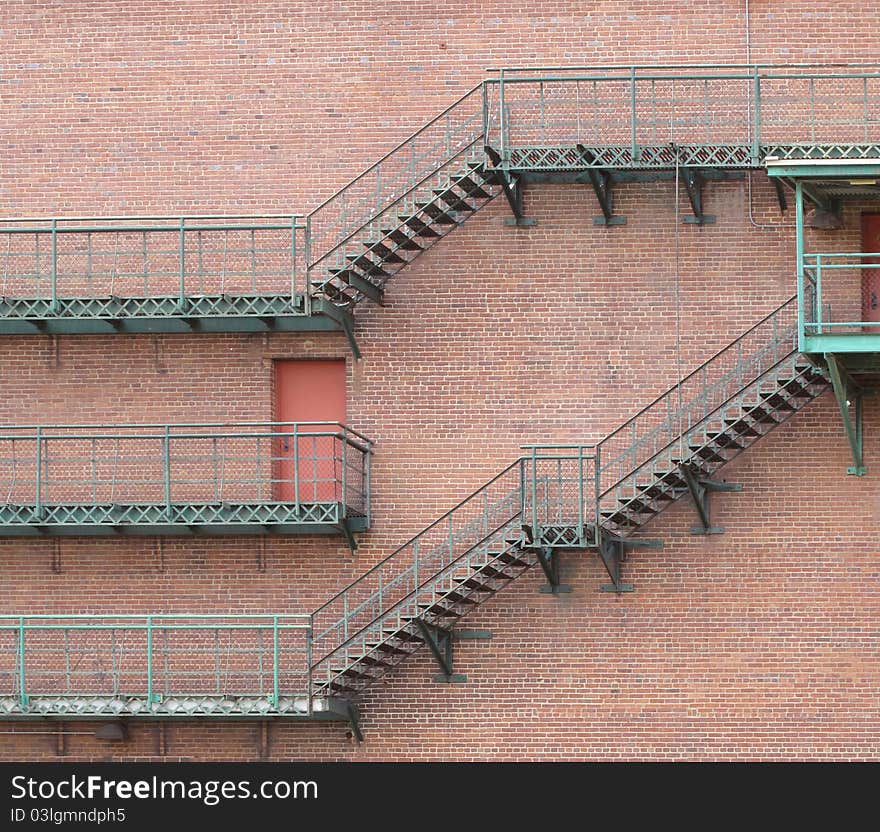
[308, 392]
[871, 269]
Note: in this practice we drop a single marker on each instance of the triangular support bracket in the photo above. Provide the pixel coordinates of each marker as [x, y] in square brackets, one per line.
[512, 185]
[700, 489]
[439, 641]
[548, 559]
[849, 401]
[601, 182]
[693, 183]
[613, 551]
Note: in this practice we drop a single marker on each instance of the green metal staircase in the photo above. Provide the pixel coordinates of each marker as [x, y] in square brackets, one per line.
[428, 185]
[563, 498]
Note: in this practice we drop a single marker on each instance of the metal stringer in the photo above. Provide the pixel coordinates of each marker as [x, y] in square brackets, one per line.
[701, 489]
[849, 400]
[439, 641]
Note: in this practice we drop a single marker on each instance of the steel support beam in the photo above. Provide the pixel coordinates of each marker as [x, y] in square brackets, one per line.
[601, 181]
[548, 558]
[512, 185]
[354, 722]
[693, 183]
[780, 195]
[849, 400]
[613, 551]
[700, 489]
[439, 641]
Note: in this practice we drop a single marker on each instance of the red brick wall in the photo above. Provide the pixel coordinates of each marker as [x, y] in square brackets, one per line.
[760, 643]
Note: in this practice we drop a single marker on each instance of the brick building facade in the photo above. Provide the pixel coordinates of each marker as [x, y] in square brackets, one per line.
[760, 643]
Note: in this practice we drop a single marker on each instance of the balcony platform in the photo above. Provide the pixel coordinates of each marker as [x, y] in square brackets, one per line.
[179, 519]
[139, 315]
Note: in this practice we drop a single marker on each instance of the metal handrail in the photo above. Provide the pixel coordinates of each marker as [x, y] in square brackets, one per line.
[394, 149]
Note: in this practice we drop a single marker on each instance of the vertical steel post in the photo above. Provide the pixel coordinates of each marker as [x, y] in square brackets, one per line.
[307, 257]
[597, 485]
[818, 294]
[502, 131]
[293, 262]
[580, 492]
[483, 87]
[534, 490]
[182, 250]
[39, 461]
[296, 467]
[799, 242]
[275, 675]
[150, 660]
[756, 136]
[22, 694]
[54, 287]
[367, 460]
[309, 704]
[166, 470]
[415, 565]
[344, 475]
[632, 106]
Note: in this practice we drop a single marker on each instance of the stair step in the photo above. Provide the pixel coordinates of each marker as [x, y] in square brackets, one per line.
[778, 401]
[454, 200]
[369, 267]
[383, 252]
[437, 214]
[473, 189]
[419, 226]
[725, 440]
[402, 239]
[385, 647]
[708, 453]
[742, 427]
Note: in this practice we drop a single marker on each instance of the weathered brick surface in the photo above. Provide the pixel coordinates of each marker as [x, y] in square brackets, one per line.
[760, 643]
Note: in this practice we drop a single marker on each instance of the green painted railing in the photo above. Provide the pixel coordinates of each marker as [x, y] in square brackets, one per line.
[840, 293]
[173, 465]
[181, 259]
[163, 663]
[698, 115]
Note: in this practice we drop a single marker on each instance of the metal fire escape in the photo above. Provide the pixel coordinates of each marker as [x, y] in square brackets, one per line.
[590, 127]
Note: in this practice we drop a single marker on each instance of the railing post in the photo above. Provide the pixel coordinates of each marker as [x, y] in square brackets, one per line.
[597, 487]
[296, 468]
[344, 477]
[367, 461]
[502, 131]
[756, 137]
[580, 492]
[166, 469]
[415, 565]
[819, 294]
[149, 660]
[307, 256]
[483, 88]
[534, 490]
[53, 303]
[22, 694]
[309, 664]
[39, 466]
[632, 105]
[345, 615]
[799, 243]
[182, 255]
[293, 262]
[275, 672]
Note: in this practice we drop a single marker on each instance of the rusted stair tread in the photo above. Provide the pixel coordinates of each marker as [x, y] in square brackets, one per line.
[383, 252]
